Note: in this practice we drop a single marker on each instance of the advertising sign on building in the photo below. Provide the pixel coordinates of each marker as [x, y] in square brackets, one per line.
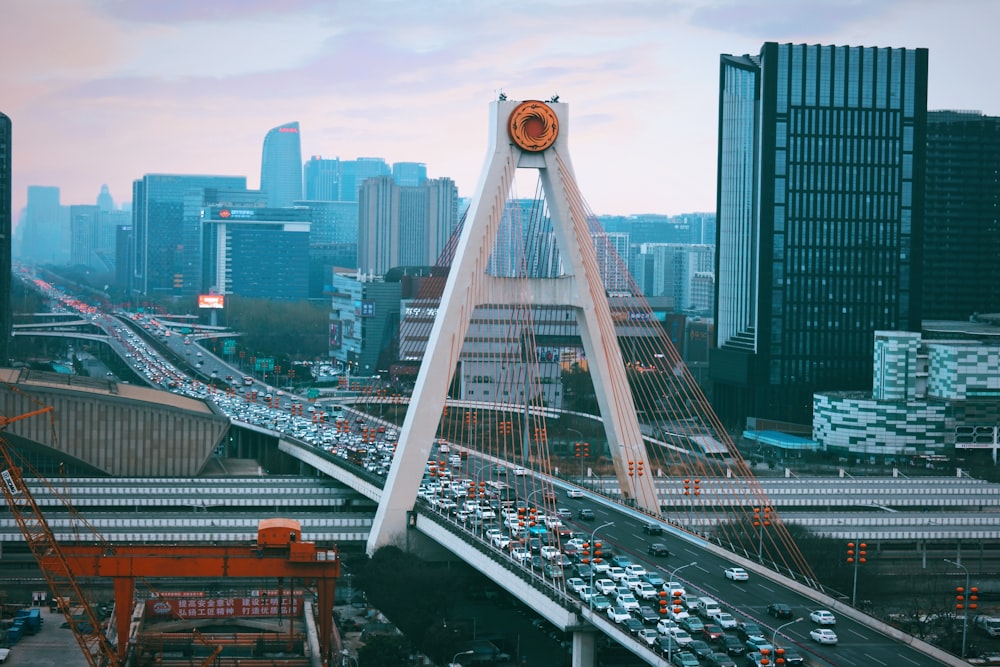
[225, 607]
[211, 301]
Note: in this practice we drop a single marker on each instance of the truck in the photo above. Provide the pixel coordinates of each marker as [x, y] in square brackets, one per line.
[988, 624]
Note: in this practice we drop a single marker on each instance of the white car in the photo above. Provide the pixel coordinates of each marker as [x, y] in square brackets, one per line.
[600, 565]
[680, 636]
[822, 617]
[574, 493]
[645, 591]
[674, 589]
[575, 584]
[520, 472]
[549, 552]
[587, 593]
[605, 586]
[636, 569]
[628, 601]
[500, 541]
[616, 573]
[648, 635]
[618, 614]
[823, 635]
[521, 555]
[737, 574]
[664, 625]
[724, 620]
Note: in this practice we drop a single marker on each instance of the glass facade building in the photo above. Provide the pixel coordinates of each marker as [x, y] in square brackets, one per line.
[819, 220]
[962, 219]
[281, 165]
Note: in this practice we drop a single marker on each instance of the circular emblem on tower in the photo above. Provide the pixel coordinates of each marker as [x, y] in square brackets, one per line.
[533, 125]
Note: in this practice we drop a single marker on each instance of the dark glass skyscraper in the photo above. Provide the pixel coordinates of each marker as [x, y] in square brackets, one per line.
[281, 165]
[962, 238]
[819, 220]
[6, 229]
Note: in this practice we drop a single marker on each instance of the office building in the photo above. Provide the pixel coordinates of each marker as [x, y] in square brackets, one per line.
[281, 165]
[164, 247]
[409, 174]
[962, 218]
[6, 240]
[44, 228]
[257, 253]
[819, 220]
[402, 225]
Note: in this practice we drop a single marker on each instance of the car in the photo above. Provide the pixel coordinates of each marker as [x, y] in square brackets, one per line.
[521, 555]
[537, 562]
[635, 569]
[553, 571]
[790, 655]
[758, 659]
[652, 529]
[666, 645]
[654, 578]
[823, 636]
[680, 635]
[779, 610]
[584, 571]
[618, 614]
[732, 644]
[658, 549]
[822, 617]
[700, 648]
[647, 615]
[645, 591]
[684, 659]
[4, 654]
[605, 586]
[575, 584]
[716, 659]
[549, 552]
[574, 493]
[627, 601]
[664, 625]
[692, 624]
[689, 602]
[621, 560]
[737, 574]
[759, 644]
[633, 625]
[674, 589]
[648, 636]
[712, 632]
[500, 541]
[746, 629]
[564, 514]
[600, 565]
[585, 514]
[586, 592]
[599, 603]
[616, 573]
[520, 472]
[724, 619]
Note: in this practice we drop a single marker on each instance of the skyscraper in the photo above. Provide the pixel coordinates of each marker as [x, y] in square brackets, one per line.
[6, 229]
[281, 165]
[45, 236]
[962, 228]
[819, 220]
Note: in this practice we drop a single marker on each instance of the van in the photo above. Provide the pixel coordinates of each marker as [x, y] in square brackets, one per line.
[707, 607]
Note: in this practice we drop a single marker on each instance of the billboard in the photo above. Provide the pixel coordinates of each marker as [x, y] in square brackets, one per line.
[211, 301]
[226, 607]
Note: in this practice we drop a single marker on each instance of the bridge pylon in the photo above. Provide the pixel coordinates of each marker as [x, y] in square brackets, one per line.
[524, 135]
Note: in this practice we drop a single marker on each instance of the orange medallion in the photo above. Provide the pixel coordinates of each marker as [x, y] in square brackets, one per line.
[533, 126]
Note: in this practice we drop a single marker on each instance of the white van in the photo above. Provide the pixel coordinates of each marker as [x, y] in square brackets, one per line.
[707, 607]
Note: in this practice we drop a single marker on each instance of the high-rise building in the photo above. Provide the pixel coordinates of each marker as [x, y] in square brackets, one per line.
[962, 218]
[409, 174]
[404, 226]
[281, 165]
[819, 220]
[6, 239]
[160, 261]
[45, 235]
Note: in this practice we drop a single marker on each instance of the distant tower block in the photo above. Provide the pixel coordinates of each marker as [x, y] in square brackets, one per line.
[525, 135]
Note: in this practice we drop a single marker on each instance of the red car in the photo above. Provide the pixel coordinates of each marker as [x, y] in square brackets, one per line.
[711, 632]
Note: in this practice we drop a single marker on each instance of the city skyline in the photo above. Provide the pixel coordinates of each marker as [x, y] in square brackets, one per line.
[117, 91]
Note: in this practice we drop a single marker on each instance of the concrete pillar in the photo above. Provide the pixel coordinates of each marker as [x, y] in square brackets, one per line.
[583, 649]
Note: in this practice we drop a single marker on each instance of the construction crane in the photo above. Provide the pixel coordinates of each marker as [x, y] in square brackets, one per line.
[61, 580]
[279, 551]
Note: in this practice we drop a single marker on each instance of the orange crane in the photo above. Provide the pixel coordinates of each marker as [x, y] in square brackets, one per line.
[279, 551]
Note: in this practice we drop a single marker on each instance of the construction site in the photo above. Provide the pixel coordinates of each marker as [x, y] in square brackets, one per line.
[266, 602]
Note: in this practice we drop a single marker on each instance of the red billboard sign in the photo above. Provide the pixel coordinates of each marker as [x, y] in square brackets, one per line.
[211, 301]
[225, 607]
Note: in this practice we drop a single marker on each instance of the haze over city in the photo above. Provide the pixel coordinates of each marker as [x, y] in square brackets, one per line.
[104, 92]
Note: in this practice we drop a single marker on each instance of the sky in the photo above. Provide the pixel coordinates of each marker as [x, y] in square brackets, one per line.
[105, 91]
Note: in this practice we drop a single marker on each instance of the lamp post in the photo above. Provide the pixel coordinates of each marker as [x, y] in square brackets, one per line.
[593, 534]
[678, 569]
[774, 637]
[452, 663]
[965, 603]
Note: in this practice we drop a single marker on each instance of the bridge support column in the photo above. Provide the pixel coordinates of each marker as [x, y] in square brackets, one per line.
[583, 649]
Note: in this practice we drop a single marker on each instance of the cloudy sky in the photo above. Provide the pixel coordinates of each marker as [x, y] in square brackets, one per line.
[104, 91]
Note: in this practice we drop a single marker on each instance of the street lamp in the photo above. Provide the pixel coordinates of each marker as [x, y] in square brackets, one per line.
[965, 603]
[593, 534]
[774, 637]
[452, 663]
[678, 569]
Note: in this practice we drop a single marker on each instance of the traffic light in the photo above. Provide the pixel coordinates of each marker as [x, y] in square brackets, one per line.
[693, 486]
[960, 598]
[973, 597]
[761, 518]
[582, 450]
[861, 553]
[505, 428]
